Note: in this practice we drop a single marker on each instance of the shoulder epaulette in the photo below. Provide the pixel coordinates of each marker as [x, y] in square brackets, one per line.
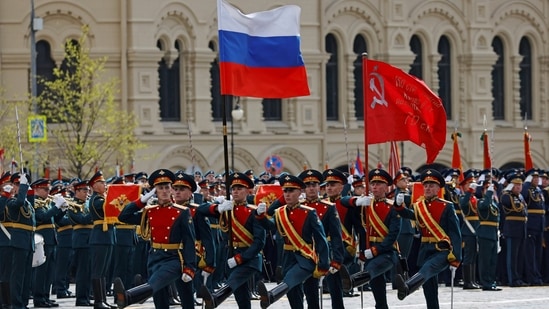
[327, 202]
[252, 206]
[180, 206]
[390, 201]
[306, 207]
[445, 201]
[193, 205]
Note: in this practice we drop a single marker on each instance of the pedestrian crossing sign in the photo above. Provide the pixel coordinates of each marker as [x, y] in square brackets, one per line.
[37, 129]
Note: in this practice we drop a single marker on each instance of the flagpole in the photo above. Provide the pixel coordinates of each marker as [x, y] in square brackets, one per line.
[346, 145]
[365, 112]
[226, 101]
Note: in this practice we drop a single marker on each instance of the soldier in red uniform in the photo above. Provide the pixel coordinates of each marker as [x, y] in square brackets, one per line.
[306, 249]
[171, 231]
[382, 224]
[247, 238]
[184, 186]
[440, 238]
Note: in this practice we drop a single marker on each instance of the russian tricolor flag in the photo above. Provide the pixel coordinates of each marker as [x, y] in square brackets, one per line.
[259, 53]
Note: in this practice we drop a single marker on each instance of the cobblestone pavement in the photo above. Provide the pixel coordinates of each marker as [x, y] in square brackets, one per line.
[525, 297]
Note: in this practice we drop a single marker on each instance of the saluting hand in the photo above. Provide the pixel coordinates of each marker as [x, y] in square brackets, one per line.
[232, 262]
[261, 208]
[147, 196]
[399, 199]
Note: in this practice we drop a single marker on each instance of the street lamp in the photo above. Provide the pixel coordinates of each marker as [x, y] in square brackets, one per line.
[236, 114]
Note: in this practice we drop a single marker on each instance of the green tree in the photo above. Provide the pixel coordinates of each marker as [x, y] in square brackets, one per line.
[87, 128]
[8, 130]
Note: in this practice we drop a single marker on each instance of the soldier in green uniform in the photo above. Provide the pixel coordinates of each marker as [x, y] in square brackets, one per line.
[102, 240]
[5, 252]
[64, 251]
[82, 222]
[487, 232]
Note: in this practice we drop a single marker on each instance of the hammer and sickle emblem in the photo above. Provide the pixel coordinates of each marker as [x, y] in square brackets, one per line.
[378, 88]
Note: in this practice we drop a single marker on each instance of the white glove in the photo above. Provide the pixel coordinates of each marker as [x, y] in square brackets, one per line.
[361, 264]
[225, 206]
[261, 208]
[368, 254]
[509, 187]
[491, 188]
[528, 178]
[453, 269]
[23, 179]
[481, 178]
[473, 185]
[59, 200]
[186, 278]
[231, 262]
[205, 276]
[8, 188]
[502, 180]
[364, 200]
[350, 179]
[333, 270]
[147, 196]
[219, 199]
[302, 196]
[399, 199]
[448, 178]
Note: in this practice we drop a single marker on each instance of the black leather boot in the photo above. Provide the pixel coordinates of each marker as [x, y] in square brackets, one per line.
[5, 294]
[213, 300]
[104, 289]
[407, 287]
[353, 281]
[99, 300]
[132, 296]
[468, 278]
[269, 297]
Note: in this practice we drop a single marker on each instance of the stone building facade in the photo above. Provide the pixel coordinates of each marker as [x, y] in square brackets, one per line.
[484, 57]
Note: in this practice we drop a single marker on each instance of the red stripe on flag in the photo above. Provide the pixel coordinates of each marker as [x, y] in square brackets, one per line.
[528, 162]
[394, 160]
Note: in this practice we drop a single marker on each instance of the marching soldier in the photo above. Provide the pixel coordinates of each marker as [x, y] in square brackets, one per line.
[82, 222]
[5, 252]
[329, 218]
[184, 186]
[102, 240]
[440, 239]
[21, 227]
[45, 211]
[535, 225]
[514, 217]
[468, 206]
[304, 240]
[171, 231]
[247, 238]
[544, 175]
[487, 232]
[382, 224]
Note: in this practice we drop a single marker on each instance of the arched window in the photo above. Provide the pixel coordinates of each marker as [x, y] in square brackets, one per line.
[169, 90]
[445, 75]
[272, 109]
[215, 86]
[332, 79]
[498, 80]
[525, 75]
[416, 68]
[359, 47]
[44, 65]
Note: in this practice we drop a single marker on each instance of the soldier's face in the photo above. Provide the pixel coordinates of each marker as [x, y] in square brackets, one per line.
[379, 189]
[163, 192]
[430, 189]
[402, 183]
[181, 194]
[311, 190]
[517, 187]
[291, 195]
[99, 187]
[239, 193]
[333, 189]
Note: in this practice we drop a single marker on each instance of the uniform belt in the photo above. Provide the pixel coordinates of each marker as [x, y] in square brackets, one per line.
[376, 238]
[328, 238]
[239, 244]
[125, 227]
[536, 211]
[490, 223]
[20, 226]
[82, 226]
[471, 218]
[429, 239]
[214, 226]
[516, 218]
[64, 228]
[45, 226]
[156, 245]
[99, 222]
[458, 211]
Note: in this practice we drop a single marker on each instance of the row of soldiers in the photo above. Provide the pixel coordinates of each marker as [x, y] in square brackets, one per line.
[358, 238]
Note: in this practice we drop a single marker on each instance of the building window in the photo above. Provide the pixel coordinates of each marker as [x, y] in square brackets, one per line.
[445, 75]
[332, 79]
[272, 109]
[416, 69]
[525, 75]
[215, 86]
[44, 65]
[359, 47]
[169, 90]
[498, 80]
